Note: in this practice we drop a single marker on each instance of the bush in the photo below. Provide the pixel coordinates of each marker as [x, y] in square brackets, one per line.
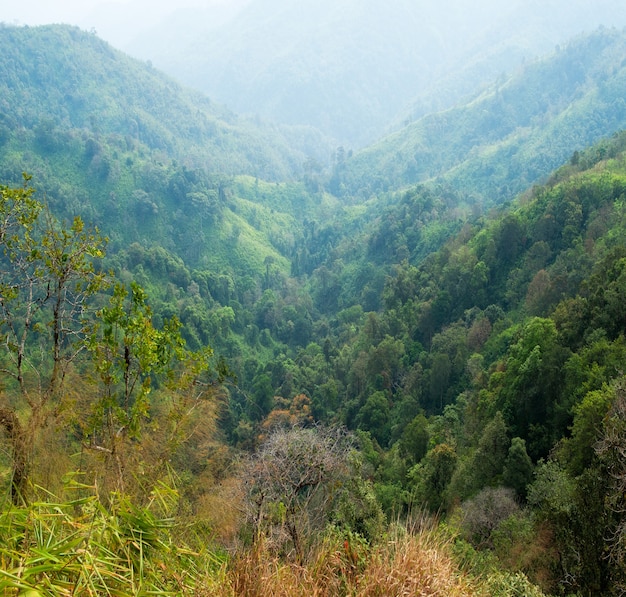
[504, 584]
[484, 513]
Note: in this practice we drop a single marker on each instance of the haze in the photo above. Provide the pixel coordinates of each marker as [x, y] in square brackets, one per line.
[117, 21]
[353, 69]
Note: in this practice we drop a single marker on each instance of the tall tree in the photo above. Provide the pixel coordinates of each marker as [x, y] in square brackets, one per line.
[47, 277]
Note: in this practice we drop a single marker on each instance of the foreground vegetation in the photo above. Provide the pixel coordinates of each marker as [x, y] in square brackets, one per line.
[254, 385]
[92, 385]
[85, 547]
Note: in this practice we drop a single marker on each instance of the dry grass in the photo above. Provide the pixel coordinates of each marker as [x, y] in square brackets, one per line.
[411, 565]
[85, 548]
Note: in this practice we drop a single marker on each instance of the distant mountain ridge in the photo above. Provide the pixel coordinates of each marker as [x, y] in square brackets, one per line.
[352, 68]
[512, 135]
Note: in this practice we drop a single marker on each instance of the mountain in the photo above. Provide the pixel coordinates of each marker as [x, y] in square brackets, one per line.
[512, 135]
[73, 80]
[351, 68]
[149, 162]
[474, 356]
[157, 165]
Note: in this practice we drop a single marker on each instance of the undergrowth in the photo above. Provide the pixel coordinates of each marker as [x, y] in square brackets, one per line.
[89, 546]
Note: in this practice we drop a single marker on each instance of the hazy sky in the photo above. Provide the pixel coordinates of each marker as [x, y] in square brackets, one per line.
[117, 21]
[39, 12]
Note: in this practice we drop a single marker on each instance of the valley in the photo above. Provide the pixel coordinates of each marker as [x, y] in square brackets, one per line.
[240, 350]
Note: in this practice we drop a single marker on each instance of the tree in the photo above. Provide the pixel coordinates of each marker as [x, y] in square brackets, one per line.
[47, 277]
[374, 417]
[293, 481]
[518, 468]
[575, 510]
[484, 466]
[413, 443]
[439, 380]
[53, 335]
[128, 354]
[484, 512]
[531, 384]
[492, 451]
[432, 475]
[611, 448]
[263, 397]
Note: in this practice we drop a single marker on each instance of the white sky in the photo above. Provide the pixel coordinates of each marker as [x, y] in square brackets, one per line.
[113, 20]
[40, 12]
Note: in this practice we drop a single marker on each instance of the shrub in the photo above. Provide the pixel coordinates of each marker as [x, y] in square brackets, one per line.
[504, 584]
[484, 513]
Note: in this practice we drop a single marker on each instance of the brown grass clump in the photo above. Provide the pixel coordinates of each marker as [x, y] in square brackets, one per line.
[411, 565]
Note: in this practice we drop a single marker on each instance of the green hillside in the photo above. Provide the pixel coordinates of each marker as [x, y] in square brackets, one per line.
[59, 77]
[510, 137]
[132, 152]
[327, 380]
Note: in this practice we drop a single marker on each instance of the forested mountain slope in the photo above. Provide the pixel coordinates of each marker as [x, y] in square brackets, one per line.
[494, 362]
[151, 163]
[511, 136]
[351, 68]
[58, 78]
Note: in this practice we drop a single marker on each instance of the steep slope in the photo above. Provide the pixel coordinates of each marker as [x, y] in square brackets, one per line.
[73, 80]
[511, 136]
[173, 180]
[493, 362]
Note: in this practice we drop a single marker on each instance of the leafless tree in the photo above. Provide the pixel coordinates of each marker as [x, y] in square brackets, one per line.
[611, 448]
[293, 481]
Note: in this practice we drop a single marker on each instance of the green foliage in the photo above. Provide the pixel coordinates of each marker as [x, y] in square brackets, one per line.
[502, 584]
[518, 467]
[578, 450]
[553, 490]
[84, 546]
[74, 77]
[414, 441]
[431, 477]
[485, 465]
[374, 417]
[576, 510]
[531, 381]
[127, 351]
[610, 451]
[358, 511]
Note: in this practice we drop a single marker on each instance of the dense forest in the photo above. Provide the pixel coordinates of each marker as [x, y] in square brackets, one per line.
[237, 360]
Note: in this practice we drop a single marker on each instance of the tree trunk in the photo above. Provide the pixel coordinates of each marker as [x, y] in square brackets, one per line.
[15, 434]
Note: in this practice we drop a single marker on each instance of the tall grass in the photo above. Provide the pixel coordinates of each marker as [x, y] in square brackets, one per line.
[84, 547]
[406, 564]
[89, 548]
